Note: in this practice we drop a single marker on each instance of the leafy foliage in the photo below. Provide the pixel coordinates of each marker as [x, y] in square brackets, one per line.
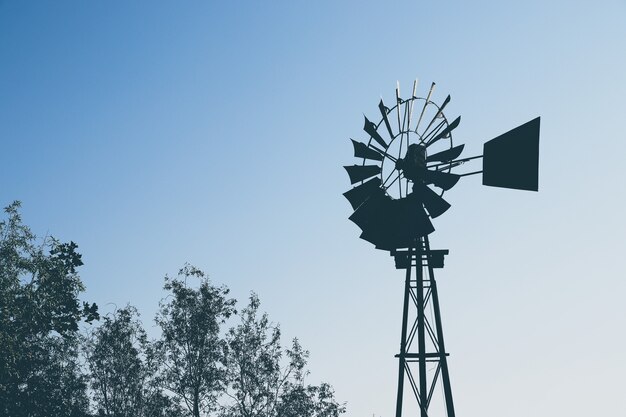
[194, 369]
[190, 348]
[116, 368]
[253, 357]
[260, 384]
[118, 354]
[39, 316]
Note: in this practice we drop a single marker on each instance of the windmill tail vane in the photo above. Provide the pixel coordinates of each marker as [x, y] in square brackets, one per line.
[406, 164]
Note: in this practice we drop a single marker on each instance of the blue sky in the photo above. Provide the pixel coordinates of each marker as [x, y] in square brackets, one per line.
[158, 133]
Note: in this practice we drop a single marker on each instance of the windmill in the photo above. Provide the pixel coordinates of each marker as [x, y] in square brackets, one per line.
[406, 167]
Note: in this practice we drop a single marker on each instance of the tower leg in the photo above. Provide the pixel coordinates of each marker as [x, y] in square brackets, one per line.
[421, 333]
[402, 361]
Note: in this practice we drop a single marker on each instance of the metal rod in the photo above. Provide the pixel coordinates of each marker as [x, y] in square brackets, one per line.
[408, 128]
[439, 109]
[377, 149]
[414, 298]
[432, 335]
[428, 293]
[421, 334]
[389, 176]
[411, 109]
[432, 386]
[412, 381]
[470, 173]
[392, 182]
[434, 355]
[409, 341]
[398, 102]
[448, 165]
[456, 160]
[432, 133]
[432, 87]
[402, 131]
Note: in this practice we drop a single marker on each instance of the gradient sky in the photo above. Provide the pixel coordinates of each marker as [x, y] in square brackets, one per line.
[158, 133]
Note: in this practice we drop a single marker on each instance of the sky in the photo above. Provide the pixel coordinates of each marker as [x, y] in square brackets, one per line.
[157, 133]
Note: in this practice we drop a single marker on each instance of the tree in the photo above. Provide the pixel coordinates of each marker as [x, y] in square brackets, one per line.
[253, 359]
[260, 383]
[122, 370]
[190, 348]
[39, 316]
[302, 400]
[53, 383]
[193, 360]
[117, 372]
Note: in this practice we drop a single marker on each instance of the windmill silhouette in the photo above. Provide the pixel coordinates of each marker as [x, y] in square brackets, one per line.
[406, 167]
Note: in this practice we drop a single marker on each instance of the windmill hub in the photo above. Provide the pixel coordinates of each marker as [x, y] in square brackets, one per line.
[413, 166]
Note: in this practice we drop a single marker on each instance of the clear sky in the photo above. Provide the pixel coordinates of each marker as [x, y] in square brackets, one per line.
[157, 133]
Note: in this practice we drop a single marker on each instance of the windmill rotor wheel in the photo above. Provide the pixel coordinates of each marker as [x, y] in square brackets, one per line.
[409, 131]
[404, 170]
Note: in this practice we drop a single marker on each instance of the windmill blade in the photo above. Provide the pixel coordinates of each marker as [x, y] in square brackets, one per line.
[430, 92]
[361, 172]
[379, 231]
[362, 192]
[413, 219]
[382, 240]
[370, 213]
[443, 106]
[403, 221]
[433, 202]
[392, 224]
[377, 241]
[443, 180]
[370, 128]
[383, 111]
[445, 132]
[511, 160]
[447, 155]
[361, 150]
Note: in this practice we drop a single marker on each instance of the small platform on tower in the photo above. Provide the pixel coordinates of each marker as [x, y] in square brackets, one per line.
[433, 258]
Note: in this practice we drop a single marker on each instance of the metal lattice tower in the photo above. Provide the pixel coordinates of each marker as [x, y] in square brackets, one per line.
[422, 341]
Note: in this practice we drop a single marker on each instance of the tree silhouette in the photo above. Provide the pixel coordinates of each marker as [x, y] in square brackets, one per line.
[195, 368]
[190, 349]
[121, 369]
[261, 383]
[39, 317]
